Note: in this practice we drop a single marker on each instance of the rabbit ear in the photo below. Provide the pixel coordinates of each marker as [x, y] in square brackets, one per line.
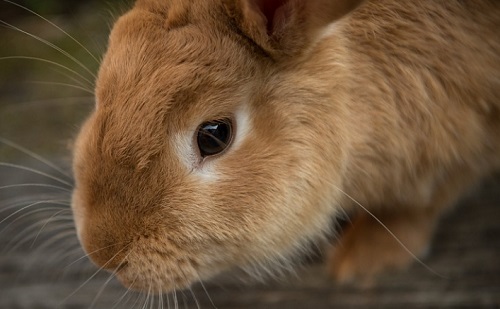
[286, 27]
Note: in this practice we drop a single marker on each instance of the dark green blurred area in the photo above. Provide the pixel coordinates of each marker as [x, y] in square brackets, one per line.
[54, 7]
[47, 75]
[51, 7]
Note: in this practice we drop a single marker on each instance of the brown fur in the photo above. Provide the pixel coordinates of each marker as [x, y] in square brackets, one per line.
[397, 108]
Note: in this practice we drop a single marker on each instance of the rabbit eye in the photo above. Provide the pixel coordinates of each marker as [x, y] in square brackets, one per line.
[213, 137]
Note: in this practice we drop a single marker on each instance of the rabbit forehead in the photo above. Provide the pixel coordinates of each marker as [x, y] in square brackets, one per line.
[143, 50]
[146, 55]
[156, 80]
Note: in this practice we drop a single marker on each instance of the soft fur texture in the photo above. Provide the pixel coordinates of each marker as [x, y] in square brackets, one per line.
[392, 105]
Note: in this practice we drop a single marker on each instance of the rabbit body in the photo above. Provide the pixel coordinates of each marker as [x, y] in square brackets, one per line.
[381, 109]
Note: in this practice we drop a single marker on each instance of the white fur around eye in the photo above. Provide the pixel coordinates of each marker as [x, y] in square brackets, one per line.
[185, 147]
[328, 31]
[242, 127]
[182, 145]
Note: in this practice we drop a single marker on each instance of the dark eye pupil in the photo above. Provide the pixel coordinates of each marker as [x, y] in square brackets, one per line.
[214, 136]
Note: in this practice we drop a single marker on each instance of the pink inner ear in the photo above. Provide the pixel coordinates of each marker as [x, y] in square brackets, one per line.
[269, 8]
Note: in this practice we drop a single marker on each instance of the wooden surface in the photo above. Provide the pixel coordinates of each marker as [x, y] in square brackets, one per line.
[466, 251]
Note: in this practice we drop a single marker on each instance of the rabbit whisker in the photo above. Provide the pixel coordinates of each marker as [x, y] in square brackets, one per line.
[122, 297]
[27, 207]
[64, 233]
[34, 156]
[413, 255]
[194, 298]
[137, 298]
[67, 76]
[49, 220]
[51, 45]
[176, 303]
[61, 100]
[205, 290]
[90, 83]
[24, 234]
[63, 85]
[92, 276]
[35, 171]
[106, 283]
[146, 301]
[17, 204]
[87, 255]
[57, 27]
[37, 185]
[60, 237]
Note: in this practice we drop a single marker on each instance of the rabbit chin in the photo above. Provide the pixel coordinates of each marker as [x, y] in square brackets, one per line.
[155, 278]
[161, 268]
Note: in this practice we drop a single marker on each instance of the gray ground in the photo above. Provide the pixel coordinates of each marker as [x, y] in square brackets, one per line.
[41, 270]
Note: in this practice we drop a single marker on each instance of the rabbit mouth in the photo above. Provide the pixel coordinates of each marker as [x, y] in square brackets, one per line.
[154, 276]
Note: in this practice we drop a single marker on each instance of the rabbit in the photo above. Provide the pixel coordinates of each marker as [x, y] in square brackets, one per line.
[233, 134]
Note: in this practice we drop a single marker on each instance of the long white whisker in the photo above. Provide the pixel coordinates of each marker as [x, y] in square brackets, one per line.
[37, 185]
[111, 276]
[87, 255]
[64, 100]
[194, 297]
[57, 27]
[53, 46]
[137, 298]
[76, 251]
[29, 206]
[41, 250]
[150, 295]
[168, 299]
[89, 82]
[124, 295]
[17, 204]
[176, 303]
[23, 236]
[70, 77]
[63, 84]
[47, 222]
[419, 261]
[184, 298]
[32, 199]
[101, 290]
[60, 255]
[204, 289]
[49, 242]
[32, 170]
[33, 212]
[147, 298]
[93, 275]
[151, 305]
[160, 305]
[62, 233]
[153, 296]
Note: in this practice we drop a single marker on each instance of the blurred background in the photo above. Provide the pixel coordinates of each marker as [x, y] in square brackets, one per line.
[46, 76]
[46, 84]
